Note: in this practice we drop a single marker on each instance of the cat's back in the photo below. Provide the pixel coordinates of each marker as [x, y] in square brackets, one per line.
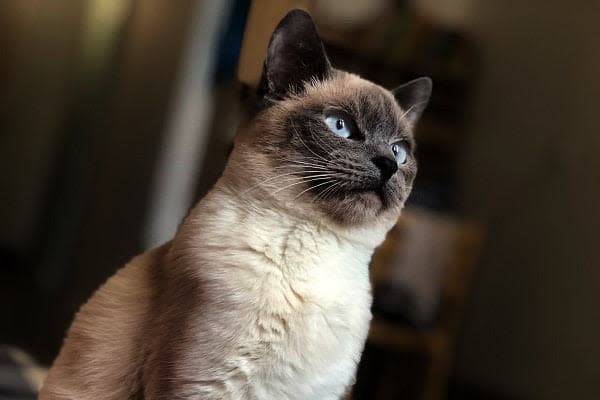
[102, 355]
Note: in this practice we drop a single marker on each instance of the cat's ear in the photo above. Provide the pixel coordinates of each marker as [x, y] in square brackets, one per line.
[413, 97]
[295, 55]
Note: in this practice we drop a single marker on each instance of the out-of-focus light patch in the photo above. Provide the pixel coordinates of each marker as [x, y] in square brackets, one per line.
[33, 373]
[449, 13]
[102, 22]
[348, 13]
[184, 141]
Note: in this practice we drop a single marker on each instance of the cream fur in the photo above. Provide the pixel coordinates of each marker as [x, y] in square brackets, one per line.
[285, 310]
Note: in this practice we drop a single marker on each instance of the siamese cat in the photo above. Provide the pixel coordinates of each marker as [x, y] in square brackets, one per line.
[264, 291]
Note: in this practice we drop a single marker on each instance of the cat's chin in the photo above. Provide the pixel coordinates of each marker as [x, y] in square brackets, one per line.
[360, 206]
[371, 199]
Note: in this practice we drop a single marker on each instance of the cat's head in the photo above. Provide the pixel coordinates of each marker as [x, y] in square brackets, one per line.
[325, 141]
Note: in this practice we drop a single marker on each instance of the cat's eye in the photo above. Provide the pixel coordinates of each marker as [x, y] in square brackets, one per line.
[339, 125]
[400, 152]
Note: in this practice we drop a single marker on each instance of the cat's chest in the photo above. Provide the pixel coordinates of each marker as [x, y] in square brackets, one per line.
[321, 295]
[300, 297]
[316, 268]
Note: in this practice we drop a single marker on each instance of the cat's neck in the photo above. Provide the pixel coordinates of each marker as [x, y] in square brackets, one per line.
[229, 210]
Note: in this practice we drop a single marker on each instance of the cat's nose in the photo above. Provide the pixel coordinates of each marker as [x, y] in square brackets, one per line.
[386, 165]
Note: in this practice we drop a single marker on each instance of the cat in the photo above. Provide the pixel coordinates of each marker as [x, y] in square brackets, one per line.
[263, 293]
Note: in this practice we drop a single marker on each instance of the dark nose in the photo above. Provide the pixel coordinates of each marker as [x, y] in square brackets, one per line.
[386, 165]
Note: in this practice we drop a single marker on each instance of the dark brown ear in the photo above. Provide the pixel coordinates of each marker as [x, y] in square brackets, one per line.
[295, 55]
[413, 97]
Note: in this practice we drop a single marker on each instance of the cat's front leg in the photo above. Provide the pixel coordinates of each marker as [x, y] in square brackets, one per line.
[187, 358]
[168, 377]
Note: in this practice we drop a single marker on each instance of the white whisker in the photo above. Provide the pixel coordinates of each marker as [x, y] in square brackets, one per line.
[326, 148]
[308, 148]
[268, 180]
[286, 187]
[315, 163]
[312, 187]
[301, 168]
[309, 178]
[322, 193]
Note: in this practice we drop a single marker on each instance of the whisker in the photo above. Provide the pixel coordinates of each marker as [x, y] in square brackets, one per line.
[323, 193]
[308, 148]
[297, 173]
[298, 169]
[315, 163]
[326, 148]
[286, 187]
[332, 166]
[312, 187]
[335, 189]
[269, 179]
[308, 165]
[310, 178]
[318, 160]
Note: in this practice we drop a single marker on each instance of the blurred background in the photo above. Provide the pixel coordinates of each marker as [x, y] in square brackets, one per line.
[117, 115]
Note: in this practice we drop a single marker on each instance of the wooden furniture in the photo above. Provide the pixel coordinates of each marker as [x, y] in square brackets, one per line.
[436, 342]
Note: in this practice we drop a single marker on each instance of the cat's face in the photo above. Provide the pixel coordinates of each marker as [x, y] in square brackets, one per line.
[328, 141]
[343, 146]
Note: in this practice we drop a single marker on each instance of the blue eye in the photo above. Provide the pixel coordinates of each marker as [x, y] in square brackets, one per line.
[339, 126]
[400, 152]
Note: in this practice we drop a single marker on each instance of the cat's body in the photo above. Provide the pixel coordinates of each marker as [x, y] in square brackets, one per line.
[264, 291]
[293, 314]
